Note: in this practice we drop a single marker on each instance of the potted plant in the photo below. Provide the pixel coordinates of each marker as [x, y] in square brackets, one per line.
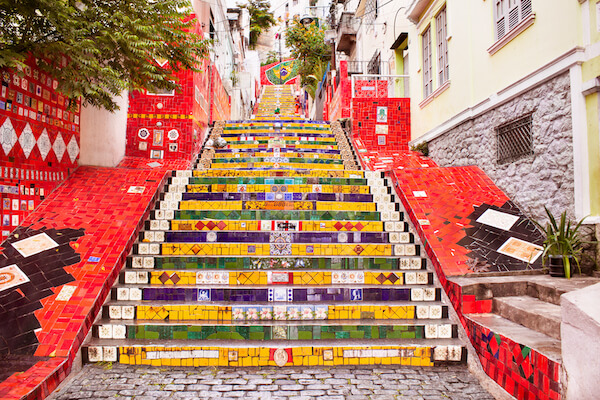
[563, 244]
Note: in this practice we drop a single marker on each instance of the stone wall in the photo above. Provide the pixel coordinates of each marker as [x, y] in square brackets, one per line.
[544, 178]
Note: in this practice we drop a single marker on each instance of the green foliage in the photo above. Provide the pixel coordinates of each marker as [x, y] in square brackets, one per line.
[422, 148]
[272, 57]
[261, 19]
[563, 239]
[307, 44]
[98, 48]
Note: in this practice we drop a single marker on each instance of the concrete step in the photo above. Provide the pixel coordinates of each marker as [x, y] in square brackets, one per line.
[530, 312]
[518, 333]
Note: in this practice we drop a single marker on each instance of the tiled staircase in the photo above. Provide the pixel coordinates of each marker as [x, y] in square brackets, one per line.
[274, 97]
[276, 250]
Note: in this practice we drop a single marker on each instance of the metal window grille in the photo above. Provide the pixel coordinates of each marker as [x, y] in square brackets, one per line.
[514, 139]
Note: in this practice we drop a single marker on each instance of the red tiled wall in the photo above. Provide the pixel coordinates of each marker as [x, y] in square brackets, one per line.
[41, 142]
[371, 89]
[341, 100]
[364, 122]
[521, 371]
[221, 109]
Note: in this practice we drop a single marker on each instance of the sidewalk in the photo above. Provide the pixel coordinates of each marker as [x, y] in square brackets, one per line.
[338, 383]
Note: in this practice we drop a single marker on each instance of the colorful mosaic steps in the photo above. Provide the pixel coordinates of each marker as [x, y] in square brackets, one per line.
[297, 266]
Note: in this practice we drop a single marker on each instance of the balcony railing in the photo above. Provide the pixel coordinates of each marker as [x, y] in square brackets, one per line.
[366, 67]
[380, 85]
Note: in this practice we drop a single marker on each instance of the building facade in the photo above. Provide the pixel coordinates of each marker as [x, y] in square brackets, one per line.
[512, 86]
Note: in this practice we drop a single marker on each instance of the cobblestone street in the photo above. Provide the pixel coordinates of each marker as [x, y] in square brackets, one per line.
[132, 382]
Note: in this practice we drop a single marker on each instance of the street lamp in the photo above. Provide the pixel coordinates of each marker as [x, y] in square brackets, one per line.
[306, 20]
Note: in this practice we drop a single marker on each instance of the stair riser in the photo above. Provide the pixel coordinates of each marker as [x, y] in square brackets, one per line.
[278, 295]
[264, 356]
[245, 278]
[225, 313]
[255, 263]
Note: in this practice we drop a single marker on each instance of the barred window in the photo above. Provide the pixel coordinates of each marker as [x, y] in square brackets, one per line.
[514, 139]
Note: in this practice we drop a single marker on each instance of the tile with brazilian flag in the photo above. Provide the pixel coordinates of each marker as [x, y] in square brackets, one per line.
[283, 72]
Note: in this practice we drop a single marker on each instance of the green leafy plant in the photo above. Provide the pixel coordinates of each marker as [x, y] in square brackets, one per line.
[563, 240]
[422, 148]
[307, 44]
[98, 49]
[261, 19]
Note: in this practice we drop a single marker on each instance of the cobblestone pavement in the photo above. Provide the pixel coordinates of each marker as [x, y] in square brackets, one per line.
[336, 383]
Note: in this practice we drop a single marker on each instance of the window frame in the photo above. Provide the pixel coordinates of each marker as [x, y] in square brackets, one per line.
[426, 59]
[508, 15]
[443, 66]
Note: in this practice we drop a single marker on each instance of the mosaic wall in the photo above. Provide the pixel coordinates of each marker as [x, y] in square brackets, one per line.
[173, 125]
[468, 225]
[341, 99]
[381, 123]
[284, 73]
[39, 135]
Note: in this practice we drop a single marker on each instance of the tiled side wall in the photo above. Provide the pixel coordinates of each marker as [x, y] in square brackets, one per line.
[39, 136]
[521, 371]
[221, 107]
[382, 123]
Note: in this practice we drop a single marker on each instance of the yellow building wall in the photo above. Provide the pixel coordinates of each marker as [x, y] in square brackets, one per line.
[475, 75]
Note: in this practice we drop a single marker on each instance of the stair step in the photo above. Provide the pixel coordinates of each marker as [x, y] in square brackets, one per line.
[530, 312]
[416, 352]
[181, 311]
[250, 278]
[275, 330]
[518, 333]
[283, 295]
[262, 263]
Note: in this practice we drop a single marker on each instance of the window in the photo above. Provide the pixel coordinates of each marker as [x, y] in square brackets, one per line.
[508, 14]
[427, 69]
[442, 47]
[514, 139]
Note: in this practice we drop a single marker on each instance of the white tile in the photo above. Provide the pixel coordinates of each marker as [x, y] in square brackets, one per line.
[130, 277]
[429, 294]
[128, 312]
[94, 354]
[137, 262]
[123, 294]
[410, 278]
[410, 250]
[399, 250]
[143, 248]
[422, 312]
[454, 353]
[114, 312]
[135, 294]
[445, 331]
[142, 277]
[109, 354]
[422, 278]
[440, 353]
[154, 248]
[66, 292]
[105, 332]
[148, 262]
[119, 331]
[435, 312]
[34, 244]
[431, 331]
[416, 294]
[497, 219]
